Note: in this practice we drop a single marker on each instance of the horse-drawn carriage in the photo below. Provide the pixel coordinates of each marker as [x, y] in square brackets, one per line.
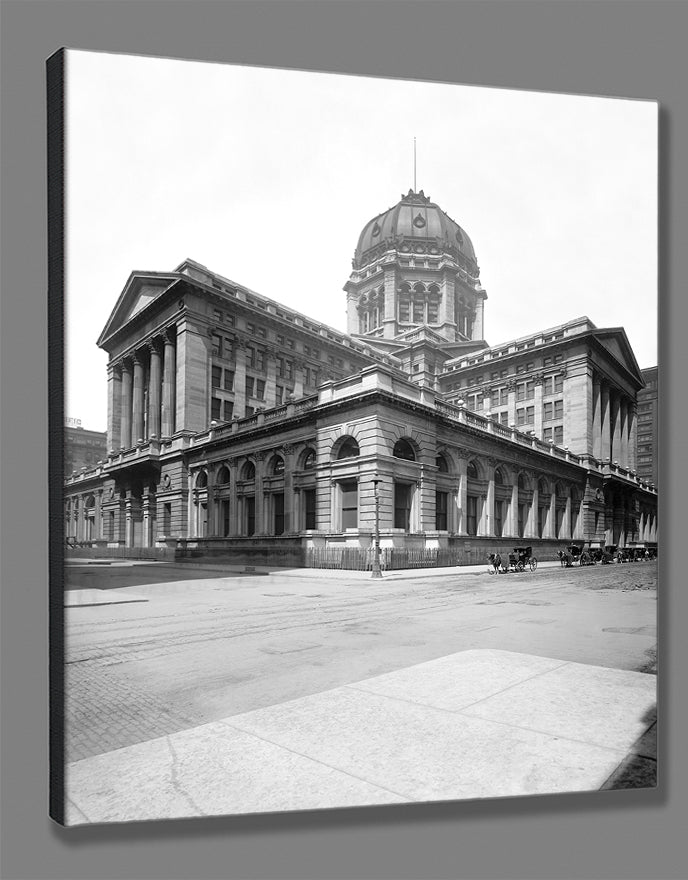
[518, 559]
[577, 554]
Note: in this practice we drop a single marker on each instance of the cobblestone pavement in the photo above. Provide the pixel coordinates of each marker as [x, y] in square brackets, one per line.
[138, 671]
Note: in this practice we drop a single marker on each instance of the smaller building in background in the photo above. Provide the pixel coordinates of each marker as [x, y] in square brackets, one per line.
[647, 427]
[82, 448]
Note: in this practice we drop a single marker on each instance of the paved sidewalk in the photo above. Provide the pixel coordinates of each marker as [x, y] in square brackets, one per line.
[477, 724]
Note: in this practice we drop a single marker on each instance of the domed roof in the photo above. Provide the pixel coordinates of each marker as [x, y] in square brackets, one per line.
[414, 217]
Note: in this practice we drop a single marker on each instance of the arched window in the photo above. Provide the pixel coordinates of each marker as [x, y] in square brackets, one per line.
[249, 471]
[543, 488]
[223, 476]
[277, 465]
[522, 482]
[90, 502]
[309, 459]
[403, 449]
[202, 480]
[472, 471]
[348, 449]
[499, 477]
[442, 465]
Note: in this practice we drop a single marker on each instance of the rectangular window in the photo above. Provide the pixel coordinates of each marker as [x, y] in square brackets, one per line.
[224, 513]
[520, 391]
[227, 410]
[522, 517]
[402, 506]
[433, 312]
[215, 405]
[504, 417]
[248, 411]
[260, 389]
[404, 312]
[441, 507]
[260, 359]
[261, 332]
[558, 383]
[217, 315]
[472, 514]
[525, 416]
[229, 380]
[558, 409]
[278, 509]
[166, 520]
[249, 386]
[547, 412]
[503, 397]
[250, 514]
[217, 345]
[530, 390]
[309, 508]
[250, 356]
[279, 395]
[349, 500]
[547, 435]
[217, 377]
[290, 343]
[250, 328]
[418, 310]
[559, 435]
[548, 386]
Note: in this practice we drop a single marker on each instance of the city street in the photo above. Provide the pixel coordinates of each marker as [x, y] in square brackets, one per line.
[199, 650]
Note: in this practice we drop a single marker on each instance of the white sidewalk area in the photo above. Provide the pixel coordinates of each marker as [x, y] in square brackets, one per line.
[477, 724]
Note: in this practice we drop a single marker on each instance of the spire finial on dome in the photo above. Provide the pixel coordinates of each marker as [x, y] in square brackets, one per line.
[414, 164]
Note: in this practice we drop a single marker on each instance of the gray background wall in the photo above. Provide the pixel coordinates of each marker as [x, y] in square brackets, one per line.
[633, 49]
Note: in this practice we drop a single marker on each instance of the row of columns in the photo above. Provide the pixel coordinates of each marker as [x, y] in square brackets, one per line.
[614, 425]
[146, 385]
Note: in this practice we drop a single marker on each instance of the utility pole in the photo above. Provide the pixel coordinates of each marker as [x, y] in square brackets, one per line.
[376, 571]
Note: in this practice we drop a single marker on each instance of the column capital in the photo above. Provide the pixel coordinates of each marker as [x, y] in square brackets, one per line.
[154, 345]
[169, 334]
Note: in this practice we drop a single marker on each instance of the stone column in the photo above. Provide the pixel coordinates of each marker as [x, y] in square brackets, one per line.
[298, 379]
[532, 525]
[488, 514]
[234, 524]
[615, 453]
[98, 515]
[513, 511]
[154, 392]
[290, 520]
[632, 437]
[137, 409]
[271, 379]
[261, 505]
[168, 386]
[596, 418]
[240, 379]
[538, 407]
[125, 435]
[114, 424]
[462, 496]
[566, 524]
[511, 386]
[551, 530]
[605, 434]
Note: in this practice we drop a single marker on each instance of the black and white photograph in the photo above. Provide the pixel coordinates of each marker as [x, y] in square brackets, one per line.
[361, 441]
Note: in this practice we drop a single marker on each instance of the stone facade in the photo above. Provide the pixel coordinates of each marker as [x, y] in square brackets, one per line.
[240, 429]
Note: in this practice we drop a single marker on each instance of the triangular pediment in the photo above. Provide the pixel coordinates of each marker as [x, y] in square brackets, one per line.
[616, 342]
[139, 292]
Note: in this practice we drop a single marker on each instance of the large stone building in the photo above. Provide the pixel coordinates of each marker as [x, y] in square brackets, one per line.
[240, 428]
[83, 449]
[648, 418]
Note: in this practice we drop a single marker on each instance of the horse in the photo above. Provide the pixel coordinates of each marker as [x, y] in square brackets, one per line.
[565, 558]
[495, 560]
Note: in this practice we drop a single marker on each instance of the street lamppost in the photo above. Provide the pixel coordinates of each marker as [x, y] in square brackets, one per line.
[376, 572]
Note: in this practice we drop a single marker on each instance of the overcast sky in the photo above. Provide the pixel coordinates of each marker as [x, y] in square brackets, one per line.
[268, 176]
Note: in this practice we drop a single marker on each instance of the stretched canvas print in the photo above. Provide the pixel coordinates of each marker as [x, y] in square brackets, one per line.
[357, 493]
